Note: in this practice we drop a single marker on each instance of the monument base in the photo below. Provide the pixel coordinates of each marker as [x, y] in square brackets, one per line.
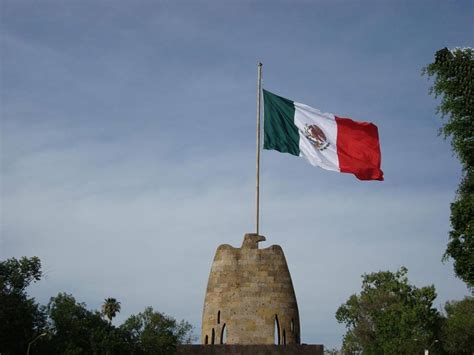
[289, 349]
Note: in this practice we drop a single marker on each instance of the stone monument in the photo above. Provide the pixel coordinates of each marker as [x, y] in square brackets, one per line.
[250, 304]
[250, 297]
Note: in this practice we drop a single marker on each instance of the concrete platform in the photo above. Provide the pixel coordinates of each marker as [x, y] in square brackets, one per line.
[290, 349]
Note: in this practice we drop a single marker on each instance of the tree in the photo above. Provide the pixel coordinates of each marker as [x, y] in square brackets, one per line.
[390, 316]
[458, 328]
[153, 332]
[110, 308]
[67, 327]
[77, 330]
[21, 318]
[16, 275]
[453, 71]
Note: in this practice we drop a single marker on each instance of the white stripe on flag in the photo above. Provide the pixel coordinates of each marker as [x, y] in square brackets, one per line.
[325, 158]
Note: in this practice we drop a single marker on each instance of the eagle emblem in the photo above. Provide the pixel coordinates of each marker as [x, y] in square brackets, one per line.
[316, 136]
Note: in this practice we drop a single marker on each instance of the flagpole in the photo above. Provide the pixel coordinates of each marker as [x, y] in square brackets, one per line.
[257, 196]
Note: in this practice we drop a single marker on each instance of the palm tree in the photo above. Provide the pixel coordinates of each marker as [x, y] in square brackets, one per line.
[110, 308]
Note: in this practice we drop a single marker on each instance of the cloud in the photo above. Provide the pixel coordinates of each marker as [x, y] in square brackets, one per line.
[145, 230]
[128, 148]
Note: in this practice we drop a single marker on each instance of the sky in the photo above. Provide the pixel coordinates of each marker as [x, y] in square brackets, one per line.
[128, 147]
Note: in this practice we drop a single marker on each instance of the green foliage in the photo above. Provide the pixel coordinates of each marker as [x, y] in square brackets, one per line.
[156, 333]
[16, 275]
[110, 308]
[67, 327]
[453, 72]
[458, 328]
[390, 316]
[76, 330]
[21, 318]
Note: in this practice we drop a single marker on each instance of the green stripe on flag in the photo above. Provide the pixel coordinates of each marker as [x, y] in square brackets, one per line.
[280, 132]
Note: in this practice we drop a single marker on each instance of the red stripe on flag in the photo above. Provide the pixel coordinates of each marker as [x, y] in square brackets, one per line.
[358, 149]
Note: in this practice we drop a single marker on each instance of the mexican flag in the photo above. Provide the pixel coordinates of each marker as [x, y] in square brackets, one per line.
[323, 139]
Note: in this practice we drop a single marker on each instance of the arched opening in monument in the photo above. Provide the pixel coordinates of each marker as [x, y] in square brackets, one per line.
[206, 340]
[219, 317]
[292, 327]
[284, 337]
[223, 334]
[213, 336]
[277, 331]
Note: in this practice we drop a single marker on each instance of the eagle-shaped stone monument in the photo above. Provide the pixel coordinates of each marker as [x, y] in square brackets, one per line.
[250, 297]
